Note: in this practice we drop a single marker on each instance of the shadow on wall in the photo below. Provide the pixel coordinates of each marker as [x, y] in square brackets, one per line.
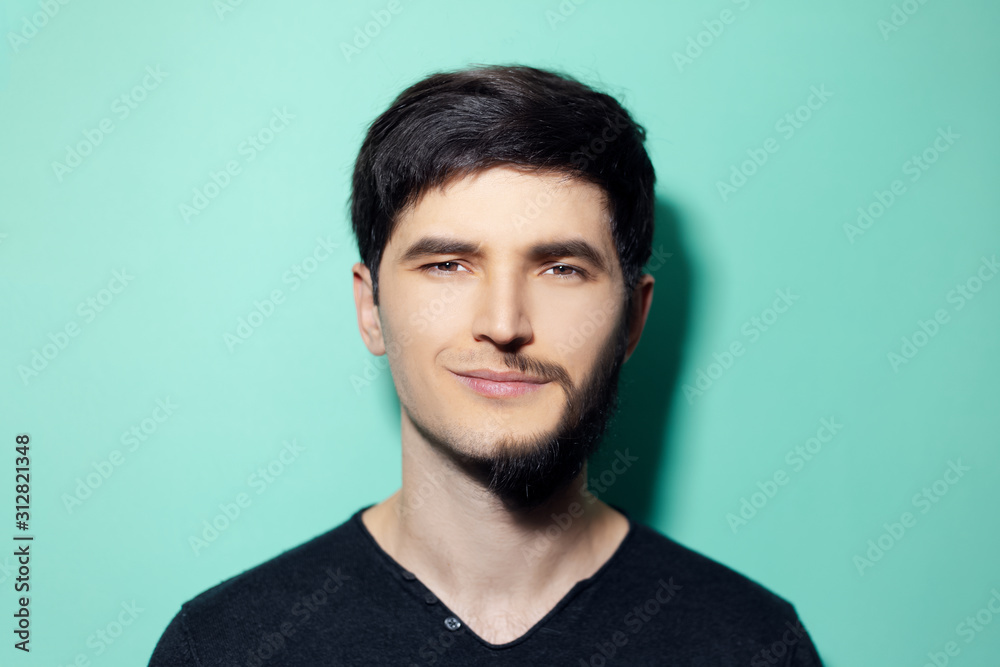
[648, 381]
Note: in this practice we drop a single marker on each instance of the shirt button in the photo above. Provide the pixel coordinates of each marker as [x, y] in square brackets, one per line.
[452, 623]
[430, 598]
[409, 576]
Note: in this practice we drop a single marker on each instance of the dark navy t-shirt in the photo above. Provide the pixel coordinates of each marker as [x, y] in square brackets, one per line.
[339, 599]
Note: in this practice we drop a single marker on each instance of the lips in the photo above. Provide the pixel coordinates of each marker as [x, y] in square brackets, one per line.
[513, 384]
[501, 376]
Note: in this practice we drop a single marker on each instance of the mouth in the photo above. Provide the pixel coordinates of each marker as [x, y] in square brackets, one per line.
[499, 389]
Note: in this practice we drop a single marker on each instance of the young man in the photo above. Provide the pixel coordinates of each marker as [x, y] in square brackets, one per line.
[503, 216]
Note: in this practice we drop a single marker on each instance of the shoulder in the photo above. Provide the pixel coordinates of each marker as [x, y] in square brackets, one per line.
[713, 580]
[729, 611]
[322, 562]
[282, 592]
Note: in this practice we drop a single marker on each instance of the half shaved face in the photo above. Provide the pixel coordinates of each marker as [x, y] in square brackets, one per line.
[506, 272]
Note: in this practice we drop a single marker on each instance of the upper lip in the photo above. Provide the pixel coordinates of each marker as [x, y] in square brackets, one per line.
[500, 376]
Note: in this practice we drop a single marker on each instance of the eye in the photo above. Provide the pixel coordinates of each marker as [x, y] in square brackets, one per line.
[432, 268]
[577, 272]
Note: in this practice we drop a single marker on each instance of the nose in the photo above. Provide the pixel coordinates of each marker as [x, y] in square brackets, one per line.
[502, 312]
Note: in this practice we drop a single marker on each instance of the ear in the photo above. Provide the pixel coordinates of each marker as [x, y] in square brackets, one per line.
[369, 323]
[642, 299]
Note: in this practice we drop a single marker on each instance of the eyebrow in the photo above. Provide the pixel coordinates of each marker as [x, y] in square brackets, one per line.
[430, 246]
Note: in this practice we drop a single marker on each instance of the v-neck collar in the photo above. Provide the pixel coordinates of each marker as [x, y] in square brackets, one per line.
[412, 585]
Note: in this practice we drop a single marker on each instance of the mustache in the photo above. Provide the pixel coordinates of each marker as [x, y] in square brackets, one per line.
[523, 364]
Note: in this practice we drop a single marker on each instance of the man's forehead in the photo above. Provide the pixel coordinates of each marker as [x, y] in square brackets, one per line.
[542, 185]
[510, 206]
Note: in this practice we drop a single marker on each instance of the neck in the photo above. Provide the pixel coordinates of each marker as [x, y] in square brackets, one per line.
[464, 544]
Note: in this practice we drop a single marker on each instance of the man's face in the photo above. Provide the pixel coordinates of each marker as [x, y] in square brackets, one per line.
[506, 271]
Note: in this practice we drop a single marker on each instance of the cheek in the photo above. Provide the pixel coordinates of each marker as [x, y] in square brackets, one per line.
[578, 331]
[434, 309]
